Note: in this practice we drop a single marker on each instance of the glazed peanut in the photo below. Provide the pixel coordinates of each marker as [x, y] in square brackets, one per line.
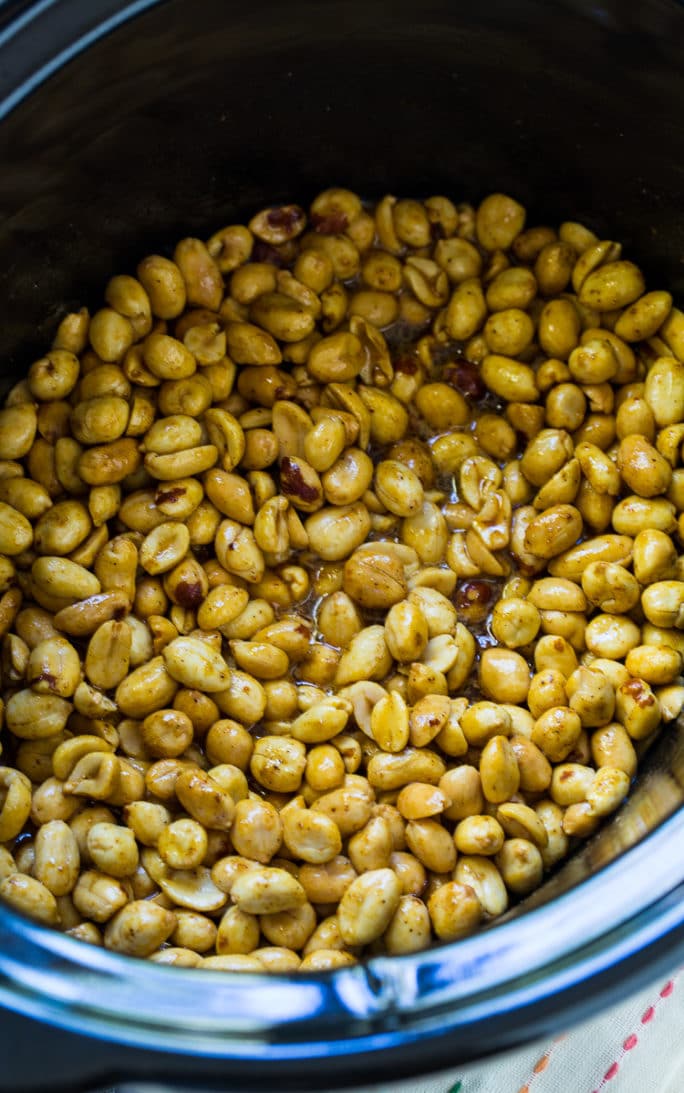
[339, 581]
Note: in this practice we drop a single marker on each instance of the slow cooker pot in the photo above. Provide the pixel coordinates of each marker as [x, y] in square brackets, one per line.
[125, 126]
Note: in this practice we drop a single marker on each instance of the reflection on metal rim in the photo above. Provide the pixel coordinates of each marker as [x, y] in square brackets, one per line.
[629, 904]
[55, 32]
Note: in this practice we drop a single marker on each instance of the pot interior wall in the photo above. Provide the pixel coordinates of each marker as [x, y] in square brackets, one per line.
[199, 111]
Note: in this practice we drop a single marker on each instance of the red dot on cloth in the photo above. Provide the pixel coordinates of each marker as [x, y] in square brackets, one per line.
[647, 1016]
[667, 989]
[630, 1042]
[611, 1072]
[541, 1064]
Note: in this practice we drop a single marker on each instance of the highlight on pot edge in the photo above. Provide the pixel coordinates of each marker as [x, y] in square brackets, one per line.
[341, 587]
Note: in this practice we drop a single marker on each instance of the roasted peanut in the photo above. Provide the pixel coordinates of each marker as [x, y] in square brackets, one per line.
[257, 543]
[455, 910]
[368, 905]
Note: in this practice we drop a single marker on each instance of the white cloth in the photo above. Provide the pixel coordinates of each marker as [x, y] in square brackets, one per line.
[635, 1047]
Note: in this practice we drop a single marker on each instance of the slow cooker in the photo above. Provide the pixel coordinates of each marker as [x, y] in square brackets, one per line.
[125, 126]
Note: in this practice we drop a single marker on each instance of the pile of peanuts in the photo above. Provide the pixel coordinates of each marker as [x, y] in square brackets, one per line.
[340, 583]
